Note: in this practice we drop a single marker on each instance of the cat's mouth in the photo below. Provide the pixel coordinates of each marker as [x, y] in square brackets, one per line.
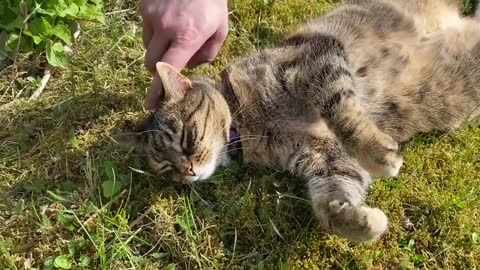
[233, 151]
[203, 172]
[190, 171]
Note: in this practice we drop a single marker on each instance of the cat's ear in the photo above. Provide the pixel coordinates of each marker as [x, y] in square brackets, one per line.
[129, 139]
[175, 85]
[234, 79]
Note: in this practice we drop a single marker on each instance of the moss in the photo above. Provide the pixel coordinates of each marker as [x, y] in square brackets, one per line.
[55, 154]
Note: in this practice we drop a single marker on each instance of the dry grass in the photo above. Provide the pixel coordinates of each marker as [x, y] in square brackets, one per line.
[57, 163]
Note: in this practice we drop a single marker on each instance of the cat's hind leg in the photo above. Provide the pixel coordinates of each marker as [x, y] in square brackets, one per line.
[337, 185]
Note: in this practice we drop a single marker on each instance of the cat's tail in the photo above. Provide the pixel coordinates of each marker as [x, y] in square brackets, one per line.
[357, 224]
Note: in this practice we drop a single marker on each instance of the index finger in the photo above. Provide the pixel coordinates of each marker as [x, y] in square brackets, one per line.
[180, 53]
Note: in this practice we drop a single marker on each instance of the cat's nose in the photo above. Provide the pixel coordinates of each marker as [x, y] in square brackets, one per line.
[189, 171]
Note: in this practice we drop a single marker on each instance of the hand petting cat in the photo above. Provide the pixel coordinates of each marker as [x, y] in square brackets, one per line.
[181, 33]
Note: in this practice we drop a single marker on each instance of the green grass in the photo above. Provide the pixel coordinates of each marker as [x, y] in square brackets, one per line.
[69, 196]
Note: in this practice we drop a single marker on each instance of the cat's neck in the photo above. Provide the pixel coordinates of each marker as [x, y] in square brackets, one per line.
[235, 143]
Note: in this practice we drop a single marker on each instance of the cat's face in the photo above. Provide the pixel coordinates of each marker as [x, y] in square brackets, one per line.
[189, 133]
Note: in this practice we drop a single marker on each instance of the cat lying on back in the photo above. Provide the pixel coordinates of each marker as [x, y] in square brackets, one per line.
[329, 104]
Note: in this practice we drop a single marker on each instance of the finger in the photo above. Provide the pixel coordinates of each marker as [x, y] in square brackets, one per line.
[154, 94]
[147, 25]
[180, 52]
[210, 49]
[147, 33]
[156, 48]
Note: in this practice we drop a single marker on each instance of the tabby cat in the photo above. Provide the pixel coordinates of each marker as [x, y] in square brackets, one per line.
[330, 104]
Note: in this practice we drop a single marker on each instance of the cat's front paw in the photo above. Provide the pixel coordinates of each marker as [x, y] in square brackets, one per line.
[382, 159]
[357, 224]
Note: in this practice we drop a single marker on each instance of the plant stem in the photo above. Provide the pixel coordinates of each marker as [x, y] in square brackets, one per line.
[47, 74]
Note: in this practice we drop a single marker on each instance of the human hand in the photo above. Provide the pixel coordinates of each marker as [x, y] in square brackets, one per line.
[181, 32]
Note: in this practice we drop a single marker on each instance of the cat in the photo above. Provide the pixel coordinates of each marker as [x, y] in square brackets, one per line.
[330, 104]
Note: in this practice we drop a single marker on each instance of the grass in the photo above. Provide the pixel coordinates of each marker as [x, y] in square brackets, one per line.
[71, 198]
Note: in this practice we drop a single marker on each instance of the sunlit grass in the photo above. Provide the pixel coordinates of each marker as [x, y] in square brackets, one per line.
[70, 196]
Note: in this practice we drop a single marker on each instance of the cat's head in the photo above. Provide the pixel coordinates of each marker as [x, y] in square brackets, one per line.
[189, 132]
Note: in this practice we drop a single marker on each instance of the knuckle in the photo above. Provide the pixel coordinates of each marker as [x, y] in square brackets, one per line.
[187, 34]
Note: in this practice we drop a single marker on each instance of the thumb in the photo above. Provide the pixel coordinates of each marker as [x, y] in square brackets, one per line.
[154, 94]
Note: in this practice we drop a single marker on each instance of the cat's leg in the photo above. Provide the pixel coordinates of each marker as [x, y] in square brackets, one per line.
[375, 150]
[327, 89]
[337, 185]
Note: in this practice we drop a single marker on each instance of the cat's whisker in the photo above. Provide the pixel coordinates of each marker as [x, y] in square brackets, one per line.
[248, 137]
[230, 150]
[242, 108]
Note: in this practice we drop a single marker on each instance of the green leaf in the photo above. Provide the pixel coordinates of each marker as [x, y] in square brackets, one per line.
[80, 243]
[26, 44]
[110, 188]
[71, 11]
[36, 39]
[458, 203]
[284, 265]
[53, 8]
[97, 2]
[72, 247]
[184, 222]
[4, 250]
[66, 220]
[63, 262]
[56, 54]
[46, 223]
[62, 31]
[39, 27]
[15, 24]
[158, 255]
[171, 266]
[48, 263]
[17, 210]
[91, 12]
[475, 238]
[84, 261]
[56, 197]
[69, 186]
[47, 11]
[36, 186]
[80, 3]
[73, 138]
[109, 171]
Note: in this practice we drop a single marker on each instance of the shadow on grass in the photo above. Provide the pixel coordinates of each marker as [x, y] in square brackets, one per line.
[61, 154]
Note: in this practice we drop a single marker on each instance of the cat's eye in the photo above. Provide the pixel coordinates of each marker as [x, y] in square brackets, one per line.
[186, 142]
[183, 139]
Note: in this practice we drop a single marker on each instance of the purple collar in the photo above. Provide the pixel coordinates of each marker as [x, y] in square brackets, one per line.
[235, 143]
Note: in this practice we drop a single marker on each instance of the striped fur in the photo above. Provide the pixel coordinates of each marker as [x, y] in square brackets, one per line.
[333, 100]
